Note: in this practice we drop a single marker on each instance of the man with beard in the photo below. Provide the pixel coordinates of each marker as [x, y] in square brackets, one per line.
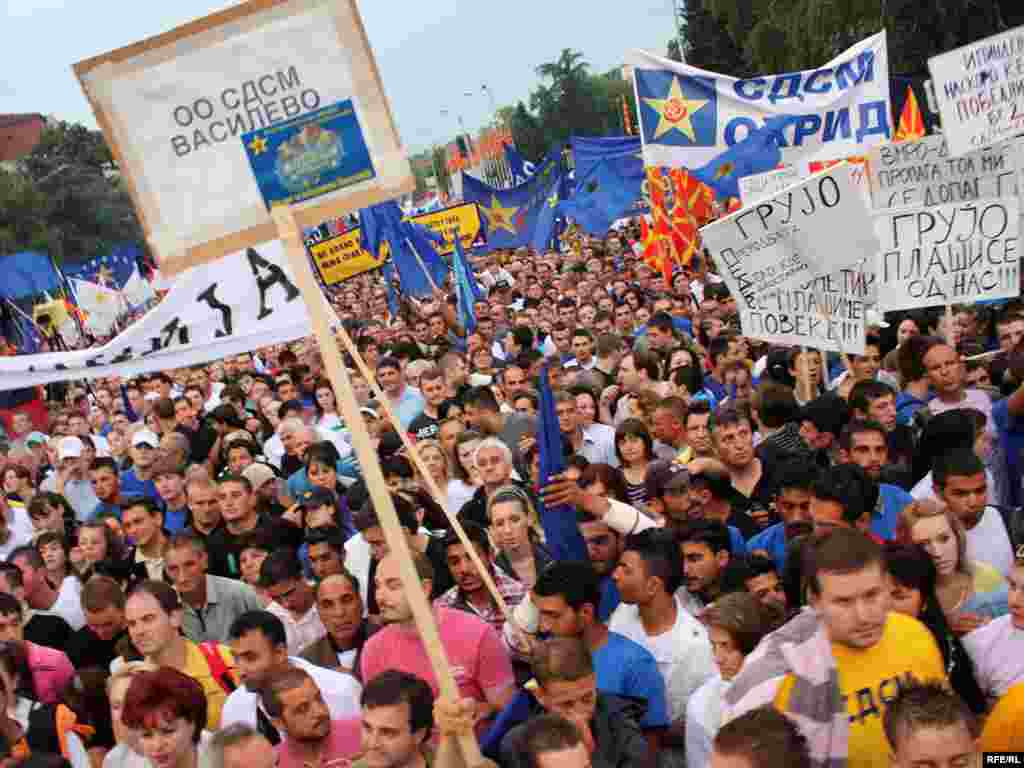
[469, 642]
[300, 714]
[341, 609]
[864, 443]
[470, 594]
[260, 649]
[398, 718]
[793, 504]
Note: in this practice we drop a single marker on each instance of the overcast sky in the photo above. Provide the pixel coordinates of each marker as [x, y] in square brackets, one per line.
[430, 53]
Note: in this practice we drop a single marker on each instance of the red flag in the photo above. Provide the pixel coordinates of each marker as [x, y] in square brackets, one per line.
[911, 121]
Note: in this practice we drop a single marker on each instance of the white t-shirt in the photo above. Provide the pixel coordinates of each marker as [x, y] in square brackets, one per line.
[973, 398]
[989, 543]
[68, 604]
[925, 488]
[341, 694]
[683, 654]
[997, 653]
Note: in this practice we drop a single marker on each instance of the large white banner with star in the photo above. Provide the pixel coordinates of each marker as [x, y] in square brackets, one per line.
[688, 116]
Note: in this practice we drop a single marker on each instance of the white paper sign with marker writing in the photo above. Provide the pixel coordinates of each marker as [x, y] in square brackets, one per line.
[924, 173]
[949, 254]
[769, 254]
[758, 186]
[980, 91]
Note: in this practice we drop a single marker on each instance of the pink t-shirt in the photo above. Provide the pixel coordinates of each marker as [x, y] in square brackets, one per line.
[476, 654]
[973, 398]
[343, 744]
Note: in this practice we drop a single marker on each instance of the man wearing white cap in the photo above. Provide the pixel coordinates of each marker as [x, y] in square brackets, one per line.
[70, 479]
[138, 480]
[261, 476]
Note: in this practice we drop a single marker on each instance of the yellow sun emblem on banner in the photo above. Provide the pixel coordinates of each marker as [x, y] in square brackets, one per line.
[676, 112]
[499, 217]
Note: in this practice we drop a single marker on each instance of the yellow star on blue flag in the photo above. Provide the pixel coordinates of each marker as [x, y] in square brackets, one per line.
[675, 112]
[499, 217]
[258, 146]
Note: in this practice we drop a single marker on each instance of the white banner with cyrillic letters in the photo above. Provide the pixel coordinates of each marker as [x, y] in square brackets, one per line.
[243, 301]
[688, 115]
[948, 254]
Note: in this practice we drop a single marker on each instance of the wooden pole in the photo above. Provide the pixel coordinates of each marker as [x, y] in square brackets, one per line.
[950, 336]
[288, 231]
[803, 370]
[439, 496]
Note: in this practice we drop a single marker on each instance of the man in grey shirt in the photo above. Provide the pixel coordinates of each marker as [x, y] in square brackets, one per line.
[210, 604]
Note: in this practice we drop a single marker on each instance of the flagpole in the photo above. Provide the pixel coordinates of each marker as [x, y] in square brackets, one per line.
[423, 266]
[337, 374]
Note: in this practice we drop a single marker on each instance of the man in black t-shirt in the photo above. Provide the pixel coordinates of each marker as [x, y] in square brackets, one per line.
[427, 425]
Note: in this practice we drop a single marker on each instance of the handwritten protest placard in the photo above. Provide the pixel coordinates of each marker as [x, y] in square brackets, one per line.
[924, 173]
[815, 227]
[174, 110]
[824, 313]
[948, 254]
[980, 91]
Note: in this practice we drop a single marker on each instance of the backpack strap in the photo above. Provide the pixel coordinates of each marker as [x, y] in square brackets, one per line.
[218, 667]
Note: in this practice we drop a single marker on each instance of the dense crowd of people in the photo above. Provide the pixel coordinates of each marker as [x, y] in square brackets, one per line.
[755, 556]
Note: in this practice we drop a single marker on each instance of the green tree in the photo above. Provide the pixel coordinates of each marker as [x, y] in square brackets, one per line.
[747, 37]
[85, 206]
[24, 215]
[440, 165]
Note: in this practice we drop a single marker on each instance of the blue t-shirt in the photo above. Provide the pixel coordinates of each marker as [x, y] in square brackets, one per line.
[610, 599]
[131, 485]
[893, 499]
[1011, 442]
[175, 519]
[625, 668]
[773, 541]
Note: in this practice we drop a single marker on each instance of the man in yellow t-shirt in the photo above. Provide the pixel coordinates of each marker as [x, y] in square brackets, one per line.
[1003, 731]
[877, 652]
[153, 614]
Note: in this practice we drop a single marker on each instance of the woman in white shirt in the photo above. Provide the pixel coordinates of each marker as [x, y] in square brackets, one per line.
[436, 459]
[326, 407]
[466, 477]
[736, 623]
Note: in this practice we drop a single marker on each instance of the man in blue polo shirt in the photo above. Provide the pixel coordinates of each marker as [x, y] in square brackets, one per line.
[793, 504]
[406, 401]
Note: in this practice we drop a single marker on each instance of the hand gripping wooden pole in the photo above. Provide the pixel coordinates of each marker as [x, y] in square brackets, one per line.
[288, 231]
[439, 496]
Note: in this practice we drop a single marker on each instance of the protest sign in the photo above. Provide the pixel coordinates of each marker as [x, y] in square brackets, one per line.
[924, 173]
[174, 110]
[761, 185]
[342, 257]
[948, 254]
[464, 219]
[689, 116]
[824, 313]
[813, 228]
[236, 304]
[980, 91]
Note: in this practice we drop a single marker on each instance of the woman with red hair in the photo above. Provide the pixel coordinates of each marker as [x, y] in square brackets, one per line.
[168, 711]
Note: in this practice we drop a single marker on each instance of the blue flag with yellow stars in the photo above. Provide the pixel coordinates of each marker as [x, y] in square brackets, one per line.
[384, 223]
[609, 182]
[758, 153]
[510, 215]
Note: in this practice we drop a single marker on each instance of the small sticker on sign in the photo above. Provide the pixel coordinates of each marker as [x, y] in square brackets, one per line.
[312, 155]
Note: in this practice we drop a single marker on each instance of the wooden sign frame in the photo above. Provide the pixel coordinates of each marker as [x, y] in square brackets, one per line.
[177, 250]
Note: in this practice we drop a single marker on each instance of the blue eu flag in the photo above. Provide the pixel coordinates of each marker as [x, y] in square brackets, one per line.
[511, 215]
[383, 223]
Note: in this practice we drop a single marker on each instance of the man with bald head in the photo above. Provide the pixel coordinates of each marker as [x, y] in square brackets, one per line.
[340, 606]
[469, 642]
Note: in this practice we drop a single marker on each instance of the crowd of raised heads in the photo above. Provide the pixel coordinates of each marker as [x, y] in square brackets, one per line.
[755, 556]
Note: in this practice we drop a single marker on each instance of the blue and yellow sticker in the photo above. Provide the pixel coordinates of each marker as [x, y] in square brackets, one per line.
[309, 156]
